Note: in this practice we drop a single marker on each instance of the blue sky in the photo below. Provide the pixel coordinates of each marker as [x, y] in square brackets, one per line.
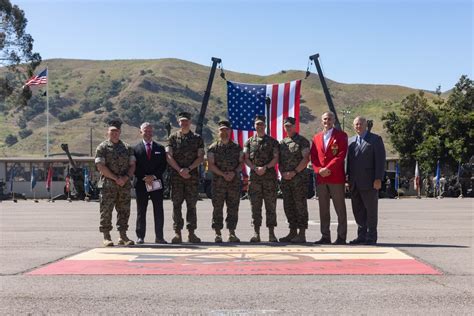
[420, 43]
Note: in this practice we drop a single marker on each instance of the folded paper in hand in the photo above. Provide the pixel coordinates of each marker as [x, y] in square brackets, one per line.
[155, 185]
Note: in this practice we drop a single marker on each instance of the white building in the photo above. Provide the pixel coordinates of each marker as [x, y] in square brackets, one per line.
[22, 167]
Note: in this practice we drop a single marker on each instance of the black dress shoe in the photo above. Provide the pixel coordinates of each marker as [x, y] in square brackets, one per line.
[339, 241]
[323, 241]
[358, 241]
[140, 241]
[370, 242]
[160, 241]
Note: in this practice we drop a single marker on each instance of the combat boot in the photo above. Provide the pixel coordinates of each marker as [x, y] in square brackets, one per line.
[124, 241]
[256, 235]
[271, 235]
[300, 238]
[232, 236]
[290, 236]
[218, 238]
[192, 238]
[108, 240]
[177, 239]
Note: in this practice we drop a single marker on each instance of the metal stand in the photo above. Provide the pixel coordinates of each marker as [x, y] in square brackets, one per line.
[207, 94]
[315, 58]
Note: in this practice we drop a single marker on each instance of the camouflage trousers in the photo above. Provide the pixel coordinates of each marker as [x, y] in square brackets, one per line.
[263, 189]
[228, 192]
[181, 190]
[294, 200]
[113, 195]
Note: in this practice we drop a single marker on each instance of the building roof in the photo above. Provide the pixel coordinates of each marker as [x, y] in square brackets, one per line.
[61, 158]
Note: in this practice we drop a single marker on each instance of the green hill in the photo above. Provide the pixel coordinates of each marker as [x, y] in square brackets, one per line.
[85, 93]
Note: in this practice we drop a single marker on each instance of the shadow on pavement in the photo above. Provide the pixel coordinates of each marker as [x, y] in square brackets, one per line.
[281, 244]
[405, 245]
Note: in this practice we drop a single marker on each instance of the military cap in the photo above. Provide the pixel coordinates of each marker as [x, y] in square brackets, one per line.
[224, 124]
[184, 116]
[289, 120]
[260, 118]
[115, 124]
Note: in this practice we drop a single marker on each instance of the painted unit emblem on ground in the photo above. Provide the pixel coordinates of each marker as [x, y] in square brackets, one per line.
[241, 260]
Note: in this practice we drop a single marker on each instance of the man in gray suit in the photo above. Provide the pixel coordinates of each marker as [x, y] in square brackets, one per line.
[365, 171]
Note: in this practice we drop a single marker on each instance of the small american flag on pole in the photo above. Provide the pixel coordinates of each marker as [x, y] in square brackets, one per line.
[247, 100]
[41, 78]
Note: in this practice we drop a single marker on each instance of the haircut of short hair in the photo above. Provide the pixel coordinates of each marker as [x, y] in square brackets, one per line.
[330, 113]
[360, 118]
[145, 125]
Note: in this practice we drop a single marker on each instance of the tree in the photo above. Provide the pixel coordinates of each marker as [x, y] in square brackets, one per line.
[16, 47]
[457, 122]
[409, 128]
[441, 131]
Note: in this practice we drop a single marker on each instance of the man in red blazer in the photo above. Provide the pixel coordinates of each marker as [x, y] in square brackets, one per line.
[328, 153]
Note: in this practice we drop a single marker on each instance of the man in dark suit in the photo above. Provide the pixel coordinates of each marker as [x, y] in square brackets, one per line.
[150, 165]
[328, 153]
[365, 171]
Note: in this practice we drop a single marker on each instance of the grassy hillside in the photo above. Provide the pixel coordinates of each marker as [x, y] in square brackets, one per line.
[84, 94]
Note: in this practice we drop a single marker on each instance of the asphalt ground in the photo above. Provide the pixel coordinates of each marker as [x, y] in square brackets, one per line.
[436, 232]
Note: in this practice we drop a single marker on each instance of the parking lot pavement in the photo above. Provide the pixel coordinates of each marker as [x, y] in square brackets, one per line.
[436, 232]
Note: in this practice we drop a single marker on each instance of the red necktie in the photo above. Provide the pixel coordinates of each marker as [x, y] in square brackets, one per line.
[148, 151]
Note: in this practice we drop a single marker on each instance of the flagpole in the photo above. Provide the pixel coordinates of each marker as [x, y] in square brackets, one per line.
[47, 112]
[459, 179]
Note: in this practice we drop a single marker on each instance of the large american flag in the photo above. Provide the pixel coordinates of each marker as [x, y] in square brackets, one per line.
[41, 78]
[247, 100]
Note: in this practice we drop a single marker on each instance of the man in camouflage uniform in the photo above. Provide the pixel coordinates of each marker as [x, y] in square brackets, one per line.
[261, 155]
[225, 162]
[294, 156]
[116, 163]
[184, 153]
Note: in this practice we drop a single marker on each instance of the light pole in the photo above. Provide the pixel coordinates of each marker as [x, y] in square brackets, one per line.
[344, 112]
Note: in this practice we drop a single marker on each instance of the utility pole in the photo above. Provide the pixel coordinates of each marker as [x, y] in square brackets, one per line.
[344, 112]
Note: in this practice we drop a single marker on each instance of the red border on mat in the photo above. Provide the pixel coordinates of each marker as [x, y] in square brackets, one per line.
[330, 267]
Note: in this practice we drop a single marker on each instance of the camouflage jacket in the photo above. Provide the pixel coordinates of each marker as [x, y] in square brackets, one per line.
[292, 150]
[185, 148]
[226, 156]
[261, 151]
[116, 157]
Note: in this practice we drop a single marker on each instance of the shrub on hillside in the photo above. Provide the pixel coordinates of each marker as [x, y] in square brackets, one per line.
[24, 133]
[11, 140]
[68, 115]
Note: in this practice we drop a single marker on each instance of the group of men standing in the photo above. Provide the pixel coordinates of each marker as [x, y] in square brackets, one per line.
[118, 162]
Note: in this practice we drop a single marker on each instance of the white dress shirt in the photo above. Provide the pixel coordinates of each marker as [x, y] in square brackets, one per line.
[326, 138]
